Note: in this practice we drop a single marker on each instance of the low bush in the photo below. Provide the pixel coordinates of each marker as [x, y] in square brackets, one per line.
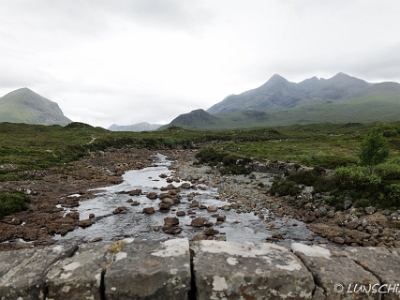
[284, 187]
[12, 202]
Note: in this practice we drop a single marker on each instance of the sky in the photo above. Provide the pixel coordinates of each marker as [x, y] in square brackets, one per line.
[129, 61]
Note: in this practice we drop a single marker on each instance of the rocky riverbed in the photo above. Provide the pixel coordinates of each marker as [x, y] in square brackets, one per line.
[97, 198]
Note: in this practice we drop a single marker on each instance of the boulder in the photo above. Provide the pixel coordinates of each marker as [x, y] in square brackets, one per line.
[334, 272]
[85, 223]
[21, 272]
[152, 195]
[212, 208]
[150, 270]
[148, 210]
[136, 192]
[198, 222]
[120, 210]
[79, 276]
[249, 271]
[186, 185]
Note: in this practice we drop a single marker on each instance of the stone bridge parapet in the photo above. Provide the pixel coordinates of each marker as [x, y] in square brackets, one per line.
[176, 269]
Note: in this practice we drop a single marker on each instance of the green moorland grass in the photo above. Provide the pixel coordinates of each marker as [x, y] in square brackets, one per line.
[34, 147]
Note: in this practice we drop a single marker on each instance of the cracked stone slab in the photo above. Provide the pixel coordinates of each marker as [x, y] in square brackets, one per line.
[150, 270]
[23, 271]
[227, 270]
[382, 263]
[335, 272]
[79, 277]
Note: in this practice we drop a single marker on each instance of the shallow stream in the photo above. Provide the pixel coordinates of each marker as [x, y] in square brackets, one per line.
[108, 226]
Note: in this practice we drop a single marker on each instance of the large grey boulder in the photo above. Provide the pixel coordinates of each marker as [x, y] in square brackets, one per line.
[79, 277]
[382, 263]
[22, 272]
[335, 272]
[226, 270]
[150, 270]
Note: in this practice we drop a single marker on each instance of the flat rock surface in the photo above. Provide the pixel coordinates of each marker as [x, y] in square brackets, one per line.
[79, 277]
[335, 273]
[23, 272]
[150, 270]
[381, 262]
[226, 270]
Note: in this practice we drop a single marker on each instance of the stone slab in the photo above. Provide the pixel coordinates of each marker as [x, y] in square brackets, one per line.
[150, 270]
[79, 277]
[23, 271]
[226, 270]
[336, 273]
[382, 263]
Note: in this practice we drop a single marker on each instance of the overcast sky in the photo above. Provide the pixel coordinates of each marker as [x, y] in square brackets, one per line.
[131, 61]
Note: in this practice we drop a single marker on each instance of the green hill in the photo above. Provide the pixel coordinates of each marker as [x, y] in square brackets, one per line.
[25, 106]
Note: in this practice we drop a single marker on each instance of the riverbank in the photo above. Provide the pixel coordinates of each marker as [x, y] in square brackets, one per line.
[55, 199]
[64, 187]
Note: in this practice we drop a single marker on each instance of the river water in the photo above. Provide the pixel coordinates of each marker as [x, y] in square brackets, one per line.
[108, 226]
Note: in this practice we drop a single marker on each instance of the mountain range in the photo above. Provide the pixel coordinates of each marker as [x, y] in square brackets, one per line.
[342, 98]
[25, 106]
[144, 126]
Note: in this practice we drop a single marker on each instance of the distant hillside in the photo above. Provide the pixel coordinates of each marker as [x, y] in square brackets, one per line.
[278, 93]
[144, 126]
[279, 102]
[25, 106]
[195, 119]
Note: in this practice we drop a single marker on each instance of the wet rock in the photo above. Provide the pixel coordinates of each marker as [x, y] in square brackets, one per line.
[221, 218]
[21, 272]
[194, 203]
[202, 206]
[171, 221]
[91, 216]
[120, 210]
[73, 215]
[168, 201]
[148, 210]
[152, 195]
[186, 185]
[85, 223]
[198, 222]
[199, 237]
[212, 208]
[95, 240]
[208, 224]
[180, 213]
[150, 270]
[135, 192]
[172, 229]
[163, 175]
[135, 203]
[226, 207]
[129, 200]
[164, 207]
[210, 231]
[220, 238]
[338, 240]
[249, 271]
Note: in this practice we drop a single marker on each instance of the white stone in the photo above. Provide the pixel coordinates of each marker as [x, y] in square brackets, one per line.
[313, 251]
[219, 283]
